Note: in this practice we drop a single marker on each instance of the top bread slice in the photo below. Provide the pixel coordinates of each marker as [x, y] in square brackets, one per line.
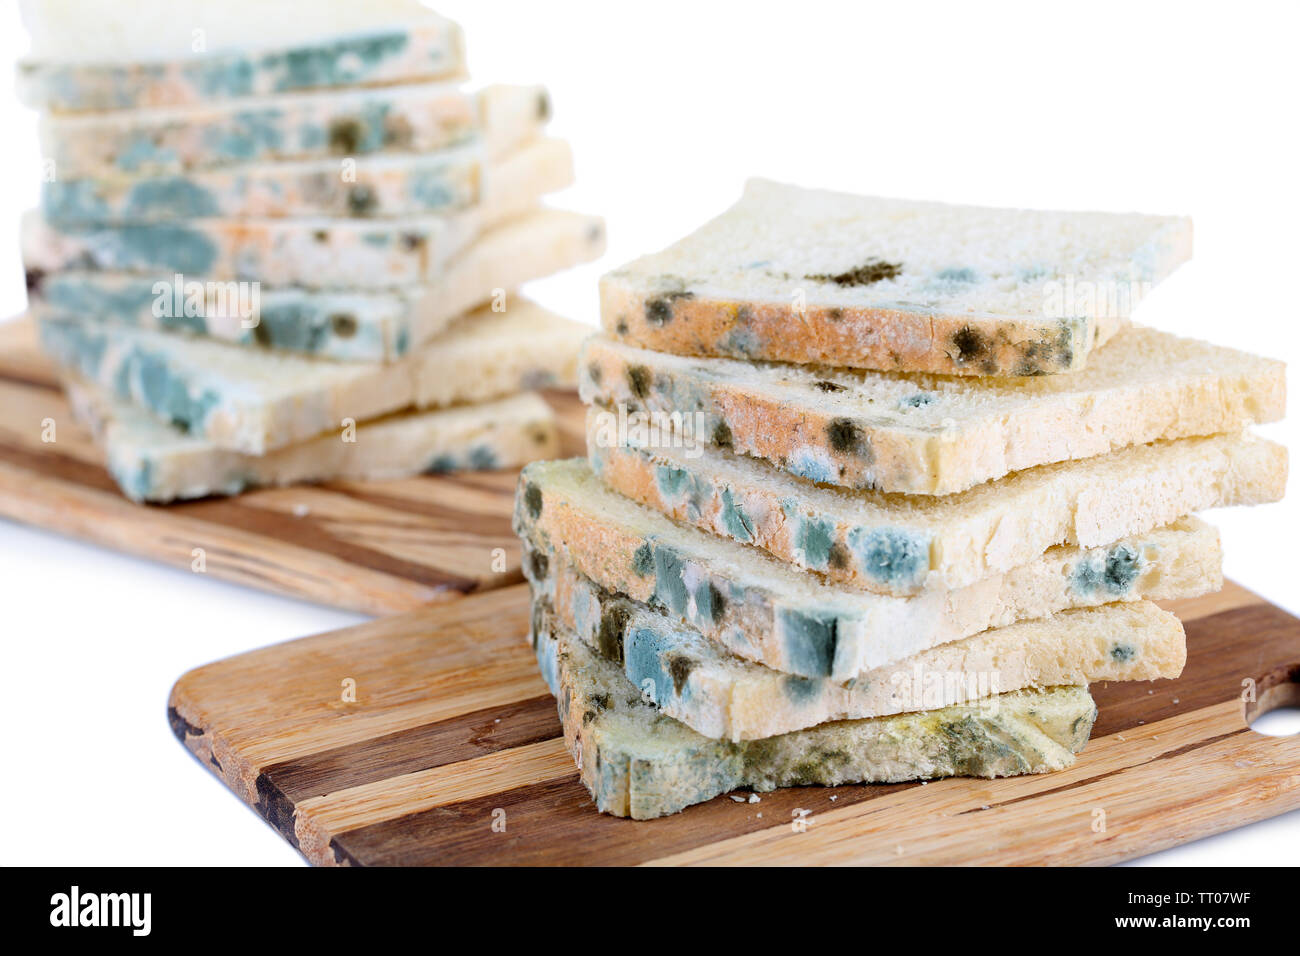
[932, 434]
[135, 54]
[817, 277]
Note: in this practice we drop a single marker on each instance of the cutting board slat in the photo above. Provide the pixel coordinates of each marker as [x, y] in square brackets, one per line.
[453, 728]
[373, 547]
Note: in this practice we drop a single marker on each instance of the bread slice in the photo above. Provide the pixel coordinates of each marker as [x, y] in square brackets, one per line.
[370, 186]
[936, 435]
[149, 53]
[691, 679]
[637, 762]
[764, 610]
[806, 275]
[899, 544]
[254, 400]
[352, 326]
[338, 124]
[318, 252]
[153, 461]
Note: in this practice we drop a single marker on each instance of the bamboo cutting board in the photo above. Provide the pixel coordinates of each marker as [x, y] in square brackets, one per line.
[373, 547]
[452, 734]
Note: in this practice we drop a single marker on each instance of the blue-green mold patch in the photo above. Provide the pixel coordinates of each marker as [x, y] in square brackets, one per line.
[811, 639]
[891, 556]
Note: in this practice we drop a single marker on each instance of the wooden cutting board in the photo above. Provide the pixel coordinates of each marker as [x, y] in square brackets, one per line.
[373, 547]
[452, 731]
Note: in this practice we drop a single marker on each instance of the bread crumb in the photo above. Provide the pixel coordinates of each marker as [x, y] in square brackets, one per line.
[754, 798]
[738, 798]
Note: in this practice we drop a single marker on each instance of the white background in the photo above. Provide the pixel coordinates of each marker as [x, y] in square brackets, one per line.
[670, 106]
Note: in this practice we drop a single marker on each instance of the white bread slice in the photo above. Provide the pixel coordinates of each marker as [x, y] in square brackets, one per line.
[373, 186]
[316, 252]
[153, 461]
[338, 124]
[900, 544]
[805, 275]
[117, 54]
[636, 762]
[763, 610]
[255, 400]
[352, 326]
[936, 435]
[691, 679]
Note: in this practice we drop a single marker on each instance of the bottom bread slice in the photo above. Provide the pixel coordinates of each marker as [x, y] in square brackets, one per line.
[153, 461]
[638, 762]
[696, 681]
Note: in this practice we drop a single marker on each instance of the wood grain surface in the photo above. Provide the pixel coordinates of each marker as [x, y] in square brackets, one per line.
[452, 730]
[373, 547]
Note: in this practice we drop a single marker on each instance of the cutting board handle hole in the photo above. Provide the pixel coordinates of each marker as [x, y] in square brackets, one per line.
[1275, 708]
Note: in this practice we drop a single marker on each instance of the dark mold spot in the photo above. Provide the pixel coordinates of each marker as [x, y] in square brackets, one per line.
[846, 437]
[643, 560]
[917, 400]
[722, 436]
[871, 271]
[346, 135]
[824, 386]
[35, 277]
[838, 556]
[970, 344]
[639, 379]
[593, 373]
[538, 565]
[1123, 652]
[533, 500]
[609, 636]
[344, 325]
[361, 200]
[679, 669]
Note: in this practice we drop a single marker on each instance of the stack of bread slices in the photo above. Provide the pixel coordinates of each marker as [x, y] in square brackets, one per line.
[874, 490]
[280, 242]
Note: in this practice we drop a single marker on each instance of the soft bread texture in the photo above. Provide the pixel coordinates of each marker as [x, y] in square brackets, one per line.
[153, 461]
[374, 186]
[337, 124]
[638, 762]
[381, 185]
[348, 254]
[765, 611]
[252, 400]
[811, 276]
[351, 326]
[134, 54]
[899, 544]
[926, 434]
[691, 679]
